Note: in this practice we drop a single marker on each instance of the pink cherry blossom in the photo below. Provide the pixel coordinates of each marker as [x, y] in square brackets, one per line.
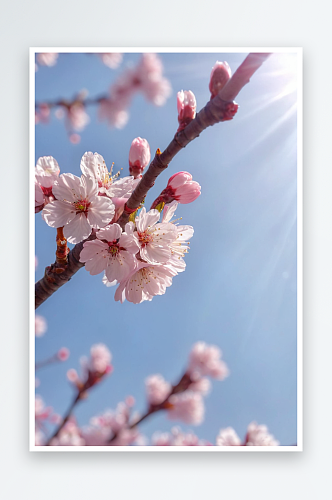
[186, 104]
[182, 188]
[114, 108]
[112, 60]
[258, 435]
[41, 412]
[39, 198]
[157, 389]
[154, 239]
[139, 156]
[205, 360]
[187, 406]
[47, 59]
[44, 413]
[149, 79]
[181, 245]
[39, 438]
[162, 439]
[40, 325]
[100, 359]
[69, 435]
[114, 112]
[78, 207]
[42, 113]
[144, 283]
[201, 385]
[228, 437]
[77, 116]
[146, 78]
[47, 172]
[111, 423]
[93, 369]
[93, 165]
[112, 252]
[177, 438]
[220, 74]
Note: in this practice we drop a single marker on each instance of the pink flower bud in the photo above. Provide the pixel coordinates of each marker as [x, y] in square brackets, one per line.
[130, 401]
[39, 198]
[63, 354]
[75, 138]
[186, 104]
[40, 325]
[72, 376]
[139, 156]
[100, 359]
[182, 188]
[157, 389]
[220, 74]
[43, 113]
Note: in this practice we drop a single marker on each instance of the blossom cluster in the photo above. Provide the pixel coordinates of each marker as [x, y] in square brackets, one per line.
[182, 402]
[145, 78]
[257, 435]
[93, 368]
[112, 60]
[144, 257]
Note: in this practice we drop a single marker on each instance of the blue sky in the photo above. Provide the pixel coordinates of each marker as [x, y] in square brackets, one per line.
[239, 287]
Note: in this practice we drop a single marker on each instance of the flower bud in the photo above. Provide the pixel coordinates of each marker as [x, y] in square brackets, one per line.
[100, 359]
[139, 156]
[63, 354]
[220, 74]
[186, 103]
[182, 188]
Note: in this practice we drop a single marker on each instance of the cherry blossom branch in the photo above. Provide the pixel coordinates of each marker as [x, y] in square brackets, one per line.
[67, 103]
[181, 386]
[52, 280]
[94, 370]
[220, 108]
[61, 355]
[66, 417]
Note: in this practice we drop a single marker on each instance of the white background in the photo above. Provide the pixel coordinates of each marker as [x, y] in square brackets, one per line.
[172, 475]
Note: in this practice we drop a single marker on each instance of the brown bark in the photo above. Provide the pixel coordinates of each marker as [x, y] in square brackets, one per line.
[219, 109]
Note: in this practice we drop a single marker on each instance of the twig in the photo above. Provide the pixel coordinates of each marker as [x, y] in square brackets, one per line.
[217, 110]
[65, 418]
[181, 386]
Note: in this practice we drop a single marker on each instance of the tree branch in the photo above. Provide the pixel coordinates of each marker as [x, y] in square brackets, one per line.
[65, 418]
[219, 109]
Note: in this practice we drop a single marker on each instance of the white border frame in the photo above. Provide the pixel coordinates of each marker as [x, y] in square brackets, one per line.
[242, 449]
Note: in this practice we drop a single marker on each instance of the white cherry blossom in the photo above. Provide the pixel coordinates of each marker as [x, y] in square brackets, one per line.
[157, 389]
[205, 360]
[187, 406]
[180, 246]
[93, 165]
[153, 238]
[47, 171]
[144, 283]
[112, 252]
[77, 207]
[228, 437]
[258, 435]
